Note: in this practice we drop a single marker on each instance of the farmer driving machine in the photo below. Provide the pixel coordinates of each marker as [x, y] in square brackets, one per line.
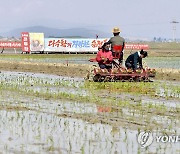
[120, 73]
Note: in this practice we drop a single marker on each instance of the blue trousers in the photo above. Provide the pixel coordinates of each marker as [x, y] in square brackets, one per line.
[103, 66]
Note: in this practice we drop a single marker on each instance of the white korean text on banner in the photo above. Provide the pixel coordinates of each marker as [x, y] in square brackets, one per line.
[25, 42]
[137, 46]
[7, 44]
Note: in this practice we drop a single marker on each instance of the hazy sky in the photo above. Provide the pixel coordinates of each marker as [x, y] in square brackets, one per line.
[136, 18]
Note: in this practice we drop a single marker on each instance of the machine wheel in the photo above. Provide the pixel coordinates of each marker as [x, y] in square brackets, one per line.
[131, 80]
[137, 79]
[97, 78]
[146, 80]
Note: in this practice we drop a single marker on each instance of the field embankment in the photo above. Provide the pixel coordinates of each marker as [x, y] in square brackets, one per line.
[78, 65]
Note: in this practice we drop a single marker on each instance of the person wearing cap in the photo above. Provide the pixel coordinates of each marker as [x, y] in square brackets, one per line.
[135, 59]
[117, 40]
[104, 57]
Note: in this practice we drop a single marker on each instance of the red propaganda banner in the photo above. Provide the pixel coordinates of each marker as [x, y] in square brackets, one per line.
[10, 44]
[137, 46]
[25, 42]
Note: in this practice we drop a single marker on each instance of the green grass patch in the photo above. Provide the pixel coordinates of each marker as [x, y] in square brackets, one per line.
[126, 87]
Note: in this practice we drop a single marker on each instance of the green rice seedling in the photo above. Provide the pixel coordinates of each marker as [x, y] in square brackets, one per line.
[82, 150]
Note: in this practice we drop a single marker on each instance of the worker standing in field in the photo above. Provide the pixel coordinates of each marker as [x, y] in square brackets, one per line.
[117, 44]
[135, 60]
[104, 57]
[2, 50]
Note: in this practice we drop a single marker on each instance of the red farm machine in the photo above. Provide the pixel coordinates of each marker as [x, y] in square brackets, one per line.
[120, 73]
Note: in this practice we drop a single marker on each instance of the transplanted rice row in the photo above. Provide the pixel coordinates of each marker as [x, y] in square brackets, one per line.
[75, 107]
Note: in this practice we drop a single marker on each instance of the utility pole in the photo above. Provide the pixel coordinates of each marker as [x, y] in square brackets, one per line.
[174, 22]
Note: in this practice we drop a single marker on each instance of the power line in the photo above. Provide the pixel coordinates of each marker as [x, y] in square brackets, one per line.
[174, 22]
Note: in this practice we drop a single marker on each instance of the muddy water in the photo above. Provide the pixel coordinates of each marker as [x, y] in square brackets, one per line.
[39, 132]
[30, 131]
[152, 62]
[48, 125]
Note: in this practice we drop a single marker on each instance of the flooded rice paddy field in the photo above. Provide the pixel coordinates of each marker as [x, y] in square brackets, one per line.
[43, 113]
[152, 62]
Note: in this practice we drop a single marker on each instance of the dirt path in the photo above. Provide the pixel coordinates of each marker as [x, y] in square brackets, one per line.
[72, 70]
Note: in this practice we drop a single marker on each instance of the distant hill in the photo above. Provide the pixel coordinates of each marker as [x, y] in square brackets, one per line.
[54, 32]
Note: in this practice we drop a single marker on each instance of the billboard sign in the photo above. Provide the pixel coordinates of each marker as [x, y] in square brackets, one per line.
[73, 45]
[36, 41]
[136, 46]
[10, 44]
[82, 45]
[25, 42]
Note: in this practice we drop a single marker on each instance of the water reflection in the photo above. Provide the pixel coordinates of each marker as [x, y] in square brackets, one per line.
[39, 132]
[30, 131]
[35, 125]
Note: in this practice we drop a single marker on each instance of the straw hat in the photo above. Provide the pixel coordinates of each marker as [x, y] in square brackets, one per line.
[116, 30]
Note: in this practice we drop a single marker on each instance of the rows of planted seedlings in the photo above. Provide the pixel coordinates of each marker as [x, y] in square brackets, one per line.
[169, 91]
[109, 106]
[30, 131]
[118, 111]
[69, 88]
[41, 85]
[155, 89]
[57, 89]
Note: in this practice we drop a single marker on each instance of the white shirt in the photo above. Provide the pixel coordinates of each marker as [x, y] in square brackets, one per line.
[139, 53]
